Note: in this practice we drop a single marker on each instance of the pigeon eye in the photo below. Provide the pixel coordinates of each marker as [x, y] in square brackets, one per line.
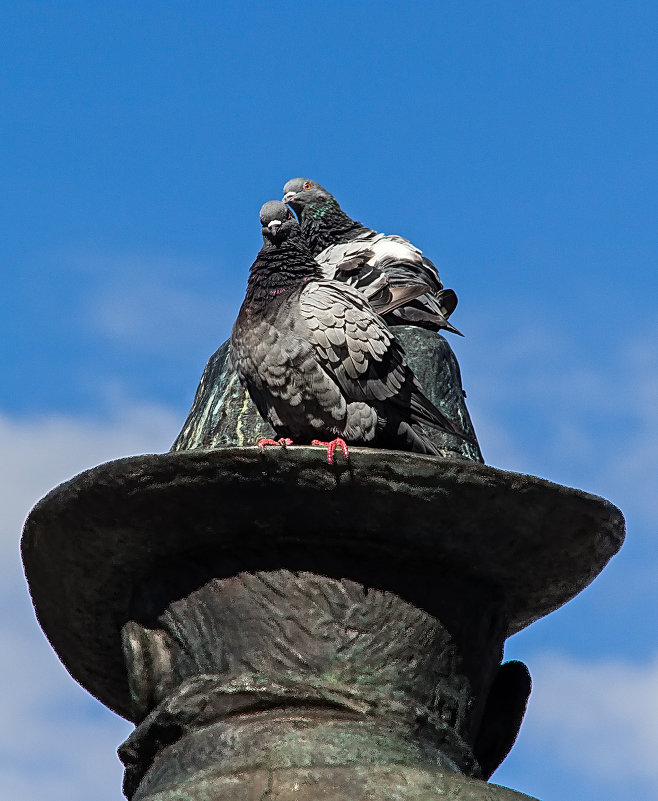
[289, 217]
[307, 185]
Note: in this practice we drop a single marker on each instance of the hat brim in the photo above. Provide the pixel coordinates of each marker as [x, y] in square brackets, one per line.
[93, 540]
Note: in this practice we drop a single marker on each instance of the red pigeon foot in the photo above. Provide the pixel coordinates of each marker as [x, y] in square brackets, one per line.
[331, 447]
[283, 441]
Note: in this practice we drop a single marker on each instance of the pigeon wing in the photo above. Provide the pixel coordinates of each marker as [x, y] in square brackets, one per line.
[278, 364]
[353, 343]
[354, 264]
[385, 267]
[355, 346]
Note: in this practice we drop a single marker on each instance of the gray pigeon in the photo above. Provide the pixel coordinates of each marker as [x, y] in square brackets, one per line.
[348, 251]
[318, 362]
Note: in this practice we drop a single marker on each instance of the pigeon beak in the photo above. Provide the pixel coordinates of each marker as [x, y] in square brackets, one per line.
[289, 196]
[274, 226]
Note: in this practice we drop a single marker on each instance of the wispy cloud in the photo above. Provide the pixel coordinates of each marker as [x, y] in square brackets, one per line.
[598, 719]
[151, 303]
[147, 316]
[40, 453]
[59, 743]
[574, 415]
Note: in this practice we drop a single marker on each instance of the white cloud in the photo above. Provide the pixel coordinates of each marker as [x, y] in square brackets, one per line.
[634, 466]
[584, 417]
[41, 453]
[149, 316]
[151, 304]
[56, 742]
[598, 719]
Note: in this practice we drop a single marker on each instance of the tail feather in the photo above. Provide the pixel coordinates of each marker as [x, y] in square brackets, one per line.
[447, 300]
[418, 314]
[424, 411]
[391, 298]
[415, 439]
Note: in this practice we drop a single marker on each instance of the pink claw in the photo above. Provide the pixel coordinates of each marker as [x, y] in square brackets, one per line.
[331, 448]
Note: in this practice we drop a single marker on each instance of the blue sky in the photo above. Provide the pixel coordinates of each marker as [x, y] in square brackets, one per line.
[513, 142]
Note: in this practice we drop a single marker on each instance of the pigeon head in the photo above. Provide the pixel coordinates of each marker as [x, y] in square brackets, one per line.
[277, 221]
[299, 193]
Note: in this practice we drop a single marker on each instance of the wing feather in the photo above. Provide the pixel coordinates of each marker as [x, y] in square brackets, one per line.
[394, 275]
[365, 359]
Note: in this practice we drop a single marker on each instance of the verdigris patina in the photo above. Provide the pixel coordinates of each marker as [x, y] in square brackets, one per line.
[272, 623]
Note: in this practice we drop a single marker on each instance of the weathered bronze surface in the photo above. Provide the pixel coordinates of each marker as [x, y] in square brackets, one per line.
[212, 566]
[111, 527]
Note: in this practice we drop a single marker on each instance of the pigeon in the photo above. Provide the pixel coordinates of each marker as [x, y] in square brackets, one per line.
[316, 359]
[350, 252]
